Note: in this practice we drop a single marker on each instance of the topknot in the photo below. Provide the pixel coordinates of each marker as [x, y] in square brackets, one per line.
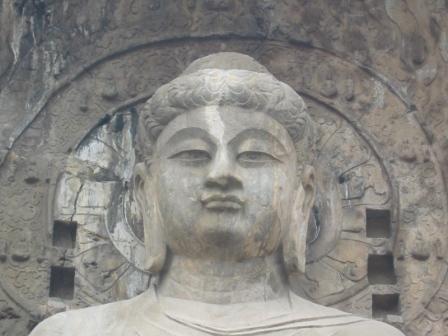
[226, 61]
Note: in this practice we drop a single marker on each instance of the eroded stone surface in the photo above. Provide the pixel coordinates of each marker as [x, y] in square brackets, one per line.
[377, 68]
[226, 189]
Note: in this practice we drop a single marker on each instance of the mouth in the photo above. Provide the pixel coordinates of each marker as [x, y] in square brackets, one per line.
[222, 202]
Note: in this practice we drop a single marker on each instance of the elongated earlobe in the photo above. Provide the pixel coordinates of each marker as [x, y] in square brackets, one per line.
[145, 195]
[294, 240]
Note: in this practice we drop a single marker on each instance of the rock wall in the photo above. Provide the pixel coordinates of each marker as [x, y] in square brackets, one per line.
[74, 74]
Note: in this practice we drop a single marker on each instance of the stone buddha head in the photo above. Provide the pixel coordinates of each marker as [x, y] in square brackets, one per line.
[225, 189]
[224, 173]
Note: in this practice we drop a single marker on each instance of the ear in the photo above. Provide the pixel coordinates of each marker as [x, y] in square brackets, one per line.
[140, 174]
[309, 187]
[145, 194]
[294, 241]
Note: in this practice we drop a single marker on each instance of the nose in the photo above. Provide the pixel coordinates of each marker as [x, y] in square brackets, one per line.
[222, 173]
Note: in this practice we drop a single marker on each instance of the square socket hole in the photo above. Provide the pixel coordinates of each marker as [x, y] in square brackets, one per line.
[62, 282]
[385, 304]
[378, 223]
[380, 269]
[64, 234]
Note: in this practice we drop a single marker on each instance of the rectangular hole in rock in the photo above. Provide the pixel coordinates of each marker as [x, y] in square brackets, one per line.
[385, 304]
[378, 223]
[64, 233]
[62, 282]
[380, 269]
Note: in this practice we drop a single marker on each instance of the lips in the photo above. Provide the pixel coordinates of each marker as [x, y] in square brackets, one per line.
[219, 202]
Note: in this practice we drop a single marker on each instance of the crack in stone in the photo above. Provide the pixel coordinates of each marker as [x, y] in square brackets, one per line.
[76, 201]
[110, 147]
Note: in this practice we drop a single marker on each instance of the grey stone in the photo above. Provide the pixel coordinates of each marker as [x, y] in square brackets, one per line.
[225, 189]
[381, 143]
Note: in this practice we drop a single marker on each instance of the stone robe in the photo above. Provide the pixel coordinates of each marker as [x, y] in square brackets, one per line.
[147, 315]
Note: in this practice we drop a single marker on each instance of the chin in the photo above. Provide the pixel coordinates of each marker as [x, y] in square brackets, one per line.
[222, 239]
[221, 235]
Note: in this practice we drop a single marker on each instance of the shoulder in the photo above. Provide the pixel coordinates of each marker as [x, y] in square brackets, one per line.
[370, 328]
[75, 322]
[88, 321]
[343, 324]
[52, 326]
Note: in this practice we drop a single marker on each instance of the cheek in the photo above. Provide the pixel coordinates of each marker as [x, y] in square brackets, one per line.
[177, 184]
[269, 193]
[267, 187]
[178, 192]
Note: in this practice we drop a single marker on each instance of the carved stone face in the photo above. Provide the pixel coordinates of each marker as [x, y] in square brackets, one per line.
[225, 180]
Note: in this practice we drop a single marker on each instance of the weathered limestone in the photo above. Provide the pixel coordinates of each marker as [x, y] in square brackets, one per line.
[75, 74]
[225, 189]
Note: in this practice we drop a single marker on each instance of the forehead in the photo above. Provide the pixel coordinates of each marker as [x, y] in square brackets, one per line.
[224, 123]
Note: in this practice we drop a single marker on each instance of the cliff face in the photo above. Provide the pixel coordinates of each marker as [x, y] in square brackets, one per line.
[73, 76]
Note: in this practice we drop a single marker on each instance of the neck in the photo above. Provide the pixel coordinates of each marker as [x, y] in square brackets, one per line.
[223, 281]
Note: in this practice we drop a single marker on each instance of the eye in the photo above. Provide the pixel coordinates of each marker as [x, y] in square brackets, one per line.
[255, 157]
[193, 156]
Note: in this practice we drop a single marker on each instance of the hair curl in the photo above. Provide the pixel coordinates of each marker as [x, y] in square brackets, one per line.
[242, 88]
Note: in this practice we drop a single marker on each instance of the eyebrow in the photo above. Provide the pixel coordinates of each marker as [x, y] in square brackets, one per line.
[189, 133]
[258, 133]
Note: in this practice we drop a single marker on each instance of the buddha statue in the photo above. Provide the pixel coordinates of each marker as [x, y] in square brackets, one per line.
[225, 188]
